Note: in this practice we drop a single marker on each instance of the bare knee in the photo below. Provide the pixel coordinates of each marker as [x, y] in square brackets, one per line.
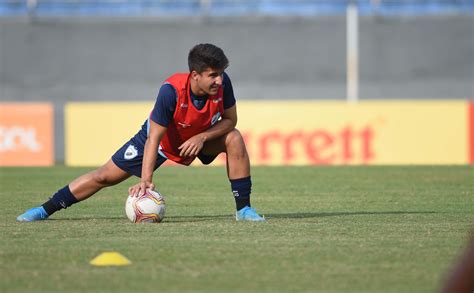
[100, 178]
[234, 142]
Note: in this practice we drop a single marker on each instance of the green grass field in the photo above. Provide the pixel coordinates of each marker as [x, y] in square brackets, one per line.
[329, 229]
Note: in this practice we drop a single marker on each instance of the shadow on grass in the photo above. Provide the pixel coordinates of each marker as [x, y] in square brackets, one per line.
[171, 219]
[296, 215]
[202, 218]
[85, 218]
[336, 214]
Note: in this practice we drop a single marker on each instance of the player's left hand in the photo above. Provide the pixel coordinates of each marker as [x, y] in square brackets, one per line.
[192, 146]
[139, 189]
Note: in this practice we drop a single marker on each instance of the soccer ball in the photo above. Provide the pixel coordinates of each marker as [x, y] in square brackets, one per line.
[148, 208]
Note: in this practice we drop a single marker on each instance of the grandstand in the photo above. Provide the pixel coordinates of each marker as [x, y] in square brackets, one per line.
[229, 7]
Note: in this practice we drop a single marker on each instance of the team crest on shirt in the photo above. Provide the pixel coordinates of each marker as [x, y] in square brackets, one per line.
[215, 118]
[131, 152]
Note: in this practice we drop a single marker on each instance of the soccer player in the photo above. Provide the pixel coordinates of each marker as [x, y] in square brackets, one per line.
[194, 116]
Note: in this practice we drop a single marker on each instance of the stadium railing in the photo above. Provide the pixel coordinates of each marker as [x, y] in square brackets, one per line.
[231, 7]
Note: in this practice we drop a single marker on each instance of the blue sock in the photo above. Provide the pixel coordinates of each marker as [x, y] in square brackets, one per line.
[241, 188]
[60, 200]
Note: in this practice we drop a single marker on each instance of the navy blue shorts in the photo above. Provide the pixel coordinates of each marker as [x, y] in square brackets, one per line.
[129, 158]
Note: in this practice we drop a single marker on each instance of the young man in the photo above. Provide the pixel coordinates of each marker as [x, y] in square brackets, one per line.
[194, 116]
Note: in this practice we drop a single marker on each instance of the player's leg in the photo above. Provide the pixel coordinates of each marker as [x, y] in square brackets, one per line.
[86, 185]
[232, 143]
[238, 170]
[79, 189]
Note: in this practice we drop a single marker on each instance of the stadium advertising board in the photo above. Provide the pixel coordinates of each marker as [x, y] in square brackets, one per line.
[471, 132]
[26, 134]
[369, 132]
[300, 132]
[94, 131]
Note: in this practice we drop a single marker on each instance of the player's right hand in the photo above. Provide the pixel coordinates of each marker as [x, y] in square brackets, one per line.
[139, 189]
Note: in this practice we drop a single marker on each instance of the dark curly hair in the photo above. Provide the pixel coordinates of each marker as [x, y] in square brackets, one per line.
[204, 56]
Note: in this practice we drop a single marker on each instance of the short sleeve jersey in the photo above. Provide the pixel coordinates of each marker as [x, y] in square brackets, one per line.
[165, 104]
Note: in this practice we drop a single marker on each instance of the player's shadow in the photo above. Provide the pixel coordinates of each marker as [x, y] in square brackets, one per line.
[294, 215]
[339, 214]
[304, 215]
[85, 218]
[197, 218]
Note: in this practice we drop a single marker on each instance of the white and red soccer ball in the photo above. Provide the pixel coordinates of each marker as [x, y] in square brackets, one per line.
[148, 208]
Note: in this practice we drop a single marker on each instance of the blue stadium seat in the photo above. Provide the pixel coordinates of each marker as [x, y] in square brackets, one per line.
[233, 7]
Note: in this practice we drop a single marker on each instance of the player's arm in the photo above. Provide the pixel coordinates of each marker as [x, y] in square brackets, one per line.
[159, 119]
[150, 154]
[193, 146]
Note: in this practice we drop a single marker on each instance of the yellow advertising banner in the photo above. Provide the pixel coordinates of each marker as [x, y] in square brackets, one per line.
[26, 134]
[298, 132]
[368, 132]
[94, 131]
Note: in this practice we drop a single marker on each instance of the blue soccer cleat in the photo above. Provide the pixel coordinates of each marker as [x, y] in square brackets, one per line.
[248, 214]
[34, 214]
